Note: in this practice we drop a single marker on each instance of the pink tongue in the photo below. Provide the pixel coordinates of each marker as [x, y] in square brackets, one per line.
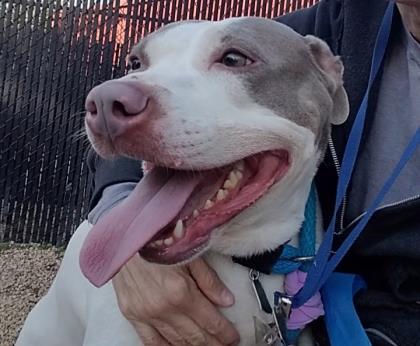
[126, 228]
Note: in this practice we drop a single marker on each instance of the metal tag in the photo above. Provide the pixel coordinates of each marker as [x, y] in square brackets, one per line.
[281, 312]
[266, 334]
[280, 324]
[270, 333]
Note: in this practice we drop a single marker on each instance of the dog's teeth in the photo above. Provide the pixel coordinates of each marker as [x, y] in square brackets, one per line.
[227, 184]
[220, 195]
[179, 229]
[233, 179]
[208, 204]
[168, 241]
[240, 165]
[143, 166]
[156, 243]
[195, 213]
[239, 175]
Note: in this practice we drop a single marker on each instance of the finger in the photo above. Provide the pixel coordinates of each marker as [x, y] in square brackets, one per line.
[190, 331]
[148, 335]
[192, 334]
[168, 332]
[209, 283]
[209, 318]
[125, 285]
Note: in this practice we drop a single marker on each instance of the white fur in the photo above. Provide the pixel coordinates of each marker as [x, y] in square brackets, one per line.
[206, 134]
[196, 131]
[76, 313]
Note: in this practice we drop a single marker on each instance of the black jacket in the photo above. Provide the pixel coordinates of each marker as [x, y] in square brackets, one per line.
[387, 253]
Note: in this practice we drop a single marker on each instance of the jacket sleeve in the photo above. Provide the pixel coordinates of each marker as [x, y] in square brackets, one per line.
[110, 172]
[324, 20]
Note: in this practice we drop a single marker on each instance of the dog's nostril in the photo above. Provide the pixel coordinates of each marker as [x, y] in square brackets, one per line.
[118, 109]
[91, 108]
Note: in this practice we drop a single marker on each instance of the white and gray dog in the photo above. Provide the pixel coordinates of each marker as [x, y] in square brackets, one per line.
[231, 119]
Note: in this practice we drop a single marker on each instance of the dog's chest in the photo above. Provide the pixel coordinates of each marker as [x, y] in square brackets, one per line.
[236, 278]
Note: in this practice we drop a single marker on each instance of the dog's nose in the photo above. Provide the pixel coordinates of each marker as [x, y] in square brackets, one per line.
[112, 106]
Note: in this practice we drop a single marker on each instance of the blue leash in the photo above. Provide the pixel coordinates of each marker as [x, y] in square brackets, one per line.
[321, 269]
[289, 259]
[318, 273]
[343, 325]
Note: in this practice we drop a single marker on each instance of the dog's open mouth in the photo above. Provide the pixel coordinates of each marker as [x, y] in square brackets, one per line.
[220, 195]
[171, 214]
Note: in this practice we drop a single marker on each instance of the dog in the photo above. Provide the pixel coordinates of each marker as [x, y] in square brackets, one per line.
[232, 119]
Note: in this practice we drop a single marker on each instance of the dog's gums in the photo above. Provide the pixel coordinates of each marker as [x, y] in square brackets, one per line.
[229, 154]
[224, 193]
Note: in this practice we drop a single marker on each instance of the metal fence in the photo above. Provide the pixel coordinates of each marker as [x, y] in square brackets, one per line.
[52, 52]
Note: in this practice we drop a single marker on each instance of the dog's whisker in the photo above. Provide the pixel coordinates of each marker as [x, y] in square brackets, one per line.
[206, 208]
[171, 157]
[80, 134]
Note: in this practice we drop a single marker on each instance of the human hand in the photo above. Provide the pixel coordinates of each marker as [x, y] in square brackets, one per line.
[175, 305]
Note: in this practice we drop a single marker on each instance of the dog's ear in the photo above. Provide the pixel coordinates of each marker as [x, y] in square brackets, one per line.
[333, 68]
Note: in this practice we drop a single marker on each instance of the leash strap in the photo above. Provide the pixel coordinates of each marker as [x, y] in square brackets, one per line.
[259, 291]
[343, 325]
[323, 266]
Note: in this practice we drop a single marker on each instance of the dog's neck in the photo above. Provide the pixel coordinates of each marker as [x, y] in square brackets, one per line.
[274, 220]
[302, 245]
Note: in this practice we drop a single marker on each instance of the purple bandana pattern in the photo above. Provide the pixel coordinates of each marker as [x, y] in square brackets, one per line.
[309, 311]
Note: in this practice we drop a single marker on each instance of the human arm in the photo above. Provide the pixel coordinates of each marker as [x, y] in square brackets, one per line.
[106, 173]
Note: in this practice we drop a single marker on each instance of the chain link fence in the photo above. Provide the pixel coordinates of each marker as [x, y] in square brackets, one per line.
[52, 52]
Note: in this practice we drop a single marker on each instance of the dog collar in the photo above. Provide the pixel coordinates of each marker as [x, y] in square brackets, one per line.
[292, 262]
[262, 263]
[286, 258]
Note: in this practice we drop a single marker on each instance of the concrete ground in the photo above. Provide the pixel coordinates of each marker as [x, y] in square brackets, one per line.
[26, 273]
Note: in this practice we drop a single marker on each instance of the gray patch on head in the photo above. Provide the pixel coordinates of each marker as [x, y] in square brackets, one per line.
[287, 82]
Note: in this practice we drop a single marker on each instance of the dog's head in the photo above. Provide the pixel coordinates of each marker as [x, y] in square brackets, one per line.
[231, 119]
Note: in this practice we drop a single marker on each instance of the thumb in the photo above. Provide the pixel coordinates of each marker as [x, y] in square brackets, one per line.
[210, 284]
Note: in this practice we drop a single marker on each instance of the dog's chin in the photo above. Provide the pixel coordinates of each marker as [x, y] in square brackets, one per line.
[223, 193]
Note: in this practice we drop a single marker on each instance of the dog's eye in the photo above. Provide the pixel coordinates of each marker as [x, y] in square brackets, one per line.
[235, 59]
[135, 64]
